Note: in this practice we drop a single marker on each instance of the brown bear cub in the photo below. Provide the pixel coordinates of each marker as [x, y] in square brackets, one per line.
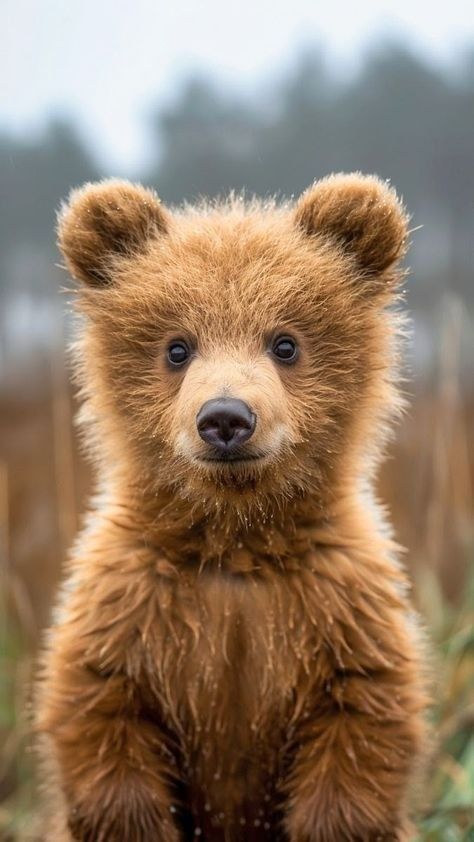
[234, 656]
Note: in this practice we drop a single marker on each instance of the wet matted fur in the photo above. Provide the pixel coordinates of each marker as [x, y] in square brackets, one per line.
[234, 656]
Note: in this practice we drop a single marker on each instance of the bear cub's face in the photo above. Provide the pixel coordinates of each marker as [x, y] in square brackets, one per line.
[234, 349]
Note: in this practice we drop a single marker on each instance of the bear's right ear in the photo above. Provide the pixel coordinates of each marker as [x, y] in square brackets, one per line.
[363, 215]
[107, 220]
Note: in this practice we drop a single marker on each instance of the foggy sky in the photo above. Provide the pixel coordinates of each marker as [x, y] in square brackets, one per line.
[109, 63]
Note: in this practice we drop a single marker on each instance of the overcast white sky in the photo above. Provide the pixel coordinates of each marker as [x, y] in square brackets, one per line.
[108, 62]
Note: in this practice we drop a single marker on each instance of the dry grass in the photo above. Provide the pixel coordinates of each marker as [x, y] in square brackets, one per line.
[427, 483]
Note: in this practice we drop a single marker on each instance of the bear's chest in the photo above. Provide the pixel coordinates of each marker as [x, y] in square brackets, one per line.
[229, 665]
[229, 672]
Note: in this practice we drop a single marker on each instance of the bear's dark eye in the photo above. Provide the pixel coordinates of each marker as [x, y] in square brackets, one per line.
[285, 349]
[178, 353]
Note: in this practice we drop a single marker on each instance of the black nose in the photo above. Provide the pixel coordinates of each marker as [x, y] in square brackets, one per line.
[225, 423]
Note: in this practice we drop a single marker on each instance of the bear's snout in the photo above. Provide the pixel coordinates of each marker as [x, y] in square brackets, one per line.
[225, 423]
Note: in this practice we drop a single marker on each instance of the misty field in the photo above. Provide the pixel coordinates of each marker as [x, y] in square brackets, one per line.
[427, 483]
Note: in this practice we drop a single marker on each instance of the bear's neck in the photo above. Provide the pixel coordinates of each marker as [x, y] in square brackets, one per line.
[186, 534]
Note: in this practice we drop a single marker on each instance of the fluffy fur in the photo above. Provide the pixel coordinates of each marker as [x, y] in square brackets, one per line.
[234, 656]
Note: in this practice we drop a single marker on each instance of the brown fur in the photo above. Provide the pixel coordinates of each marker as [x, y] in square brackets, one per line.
[234, 656]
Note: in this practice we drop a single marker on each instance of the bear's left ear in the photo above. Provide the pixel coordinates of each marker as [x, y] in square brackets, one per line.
[362, 214]
[103, 221]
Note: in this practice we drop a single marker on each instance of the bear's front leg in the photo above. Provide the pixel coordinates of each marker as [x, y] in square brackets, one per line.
[353, 758]
[112, 763]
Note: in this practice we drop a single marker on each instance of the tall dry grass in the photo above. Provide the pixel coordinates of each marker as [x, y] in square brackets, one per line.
[427, 483]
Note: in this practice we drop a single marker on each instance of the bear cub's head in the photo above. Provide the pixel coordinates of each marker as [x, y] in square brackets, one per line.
[240, 349]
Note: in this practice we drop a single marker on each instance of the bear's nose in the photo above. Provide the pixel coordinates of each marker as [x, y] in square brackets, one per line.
[225, 423]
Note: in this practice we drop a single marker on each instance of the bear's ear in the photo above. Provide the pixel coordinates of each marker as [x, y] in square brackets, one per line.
[361, 213]
[103, 221]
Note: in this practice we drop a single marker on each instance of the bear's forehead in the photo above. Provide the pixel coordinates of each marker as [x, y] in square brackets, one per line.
[226, 264]
[231, 279]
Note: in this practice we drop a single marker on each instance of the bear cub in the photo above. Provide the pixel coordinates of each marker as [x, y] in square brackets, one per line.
[233, 654]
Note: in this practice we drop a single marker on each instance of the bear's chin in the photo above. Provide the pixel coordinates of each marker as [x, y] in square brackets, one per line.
[226, 483]
[233, 474]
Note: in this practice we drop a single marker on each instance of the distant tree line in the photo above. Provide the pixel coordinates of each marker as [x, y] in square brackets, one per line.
[398, 116]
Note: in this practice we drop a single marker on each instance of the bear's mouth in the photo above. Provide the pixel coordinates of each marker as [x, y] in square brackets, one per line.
[231, 457]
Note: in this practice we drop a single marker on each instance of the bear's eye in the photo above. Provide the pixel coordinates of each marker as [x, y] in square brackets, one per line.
[178, 353]
[285, 349]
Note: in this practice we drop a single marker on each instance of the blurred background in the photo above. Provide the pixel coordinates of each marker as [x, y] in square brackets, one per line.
[199, 98]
